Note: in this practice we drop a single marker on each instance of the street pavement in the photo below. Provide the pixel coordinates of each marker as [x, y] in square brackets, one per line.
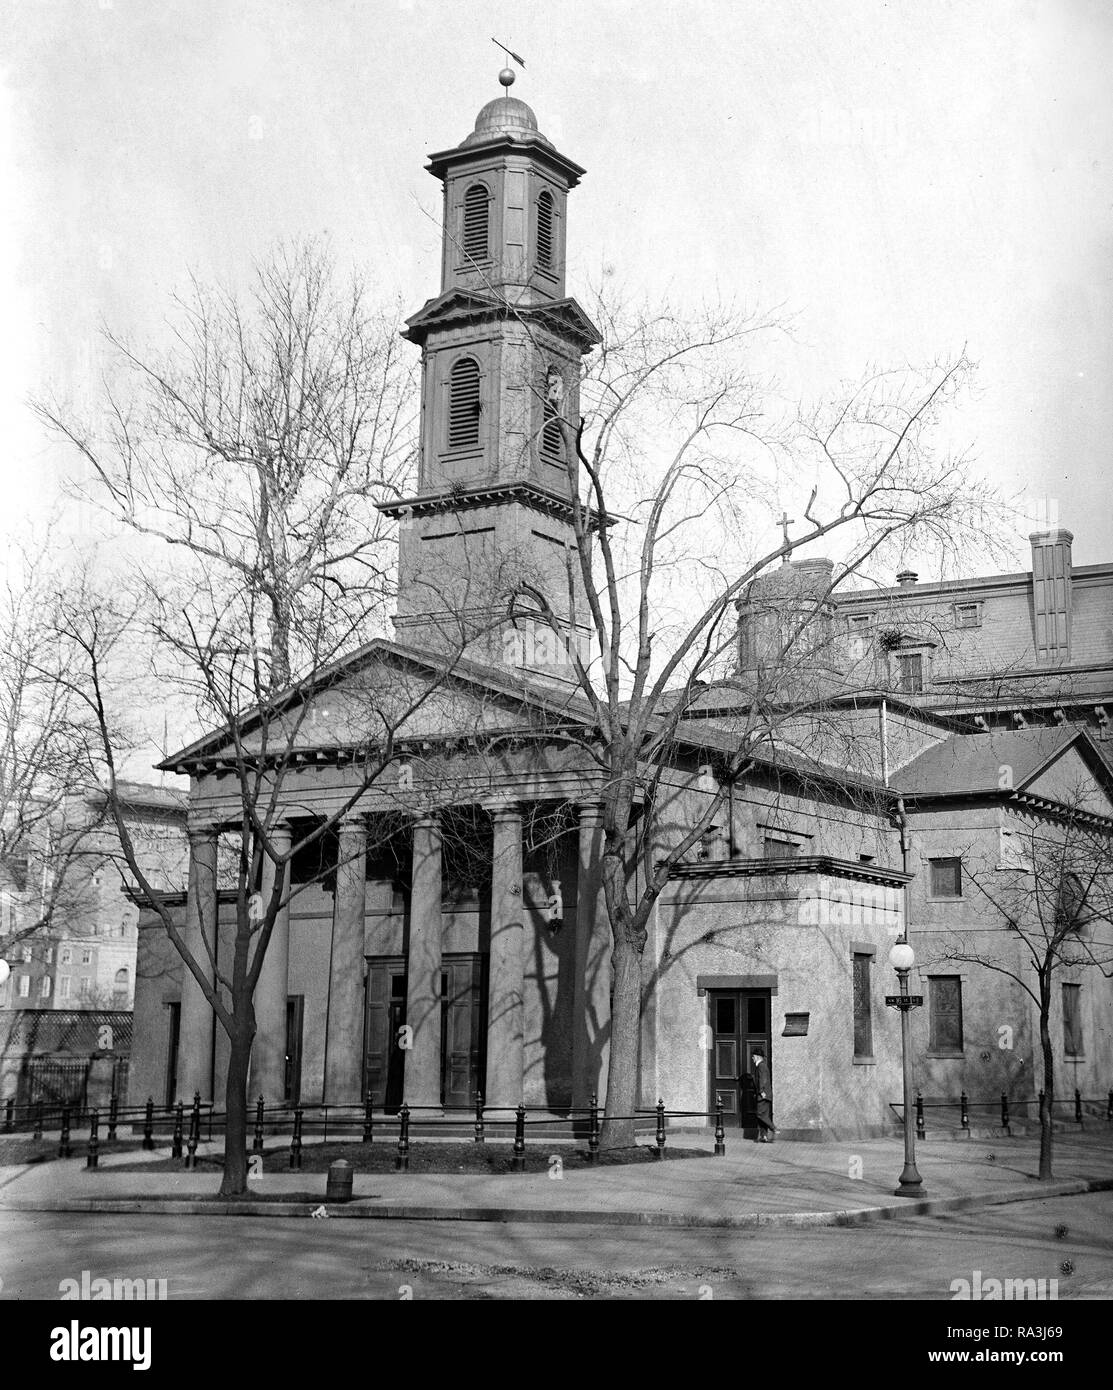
[784, 1184]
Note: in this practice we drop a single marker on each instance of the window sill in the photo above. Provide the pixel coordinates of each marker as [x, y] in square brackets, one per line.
[957, 899]
[865, 1061]
[946, 1056]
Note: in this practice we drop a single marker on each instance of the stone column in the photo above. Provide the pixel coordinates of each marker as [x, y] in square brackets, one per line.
[344, 1043]
[195, 1040]
[504, 1007]
[423, 969]
[268, 1053]
[591, 1026]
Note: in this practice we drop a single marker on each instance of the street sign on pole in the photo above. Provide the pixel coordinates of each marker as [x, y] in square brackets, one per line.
[904, 1001]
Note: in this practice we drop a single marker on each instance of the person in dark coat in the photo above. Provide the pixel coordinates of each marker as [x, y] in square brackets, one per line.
[763, 1098]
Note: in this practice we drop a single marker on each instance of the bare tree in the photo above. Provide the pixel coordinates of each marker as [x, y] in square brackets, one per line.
[48, 823]
[678, 435]
[1052, 903]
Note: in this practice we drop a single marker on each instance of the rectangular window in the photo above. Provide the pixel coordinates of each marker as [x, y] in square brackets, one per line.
[775, 848]
[910, 673]
[64, 987]
[945, 1007]
[25, 953]
[66, 956]
[84, 986]
[863, 1020]
[50, 955]
[86, 957]
[946, 878]
[1072, 1021]
[968, 615]
[45, 987]
[24, 986]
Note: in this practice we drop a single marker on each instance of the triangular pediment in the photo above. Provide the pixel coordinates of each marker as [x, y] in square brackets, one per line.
[1075, 776]
[447, 308]
[385, 687]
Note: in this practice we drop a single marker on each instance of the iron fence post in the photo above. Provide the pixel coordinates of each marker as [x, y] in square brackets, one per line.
[295, 1142]
[660, 1128]
[64, 1137]
[402, 1162]
[1004, 1110]
[479, 1134]
[720, 1132]
[257, 1141]
[1109, 1107]
[921, 1132]
[520, 1139]
[194, 1131]
[369, 1119]
[176, 1140]
[38, 1132]
[149, 1124]
[92, 1158]
[9, 1116]
[1077, 1106]
[964, 1111]
[593, 1131]
[113, 1115]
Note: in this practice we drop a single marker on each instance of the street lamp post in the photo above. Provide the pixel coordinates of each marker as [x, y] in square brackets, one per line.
[902, 958]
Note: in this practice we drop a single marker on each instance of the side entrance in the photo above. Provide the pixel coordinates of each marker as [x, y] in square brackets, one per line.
[739, 1020]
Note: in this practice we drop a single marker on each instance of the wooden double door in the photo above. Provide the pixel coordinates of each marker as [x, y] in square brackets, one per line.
[463, 1031]
[739, 1022]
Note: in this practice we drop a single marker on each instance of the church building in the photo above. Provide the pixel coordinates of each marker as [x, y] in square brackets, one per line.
[434, 953]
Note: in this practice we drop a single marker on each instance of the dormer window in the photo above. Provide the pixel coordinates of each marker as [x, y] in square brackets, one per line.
[464, 404]
[545, 231]
[476, 223]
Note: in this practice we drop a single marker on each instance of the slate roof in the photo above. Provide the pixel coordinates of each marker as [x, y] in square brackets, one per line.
[972, 763]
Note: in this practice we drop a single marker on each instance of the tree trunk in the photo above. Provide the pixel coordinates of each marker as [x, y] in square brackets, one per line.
[622, 1073]
[1048, 1094]
[234, 1181]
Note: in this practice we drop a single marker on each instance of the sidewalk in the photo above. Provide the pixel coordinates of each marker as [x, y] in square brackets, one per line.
[787, 1183]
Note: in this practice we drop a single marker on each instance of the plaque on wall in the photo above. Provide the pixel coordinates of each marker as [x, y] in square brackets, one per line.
[796, 1025]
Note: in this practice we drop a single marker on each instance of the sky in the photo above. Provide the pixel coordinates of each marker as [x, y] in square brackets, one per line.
[905, 179]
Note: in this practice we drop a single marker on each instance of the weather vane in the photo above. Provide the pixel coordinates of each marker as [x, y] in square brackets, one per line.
[506, 76]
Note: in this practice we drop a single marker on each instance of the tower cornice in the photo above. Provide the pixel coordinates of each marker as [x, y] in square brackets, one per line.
[459, 306]
[535, 146]
[471, 499]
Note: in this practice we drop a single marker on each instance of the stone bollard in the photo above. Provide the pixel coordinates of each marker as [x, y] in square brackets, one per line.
[339, 1185]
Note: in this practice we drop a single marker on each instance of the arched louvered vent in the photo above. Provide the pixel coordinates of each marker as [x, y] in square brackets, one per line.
[545, 231]
[475, 223]
[551, 441]
[463, 404]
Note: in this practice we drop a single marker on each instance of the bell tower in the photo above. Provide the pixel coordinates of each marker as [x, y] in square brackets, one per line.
[501, 350]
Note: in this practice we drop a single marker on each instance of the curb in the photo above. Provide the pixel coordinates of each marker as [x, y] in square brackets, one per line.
[361, 1209]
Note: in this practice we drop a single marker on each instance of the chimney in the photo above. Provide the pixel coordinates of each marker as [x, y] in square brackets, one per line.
[1051, 593]
[907, 579]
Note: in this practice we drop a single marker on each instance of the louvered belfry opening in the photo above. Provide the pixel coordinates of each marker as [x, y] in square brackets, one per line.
[551, 441]
[476, 220]
[545, 231]
[463, 404]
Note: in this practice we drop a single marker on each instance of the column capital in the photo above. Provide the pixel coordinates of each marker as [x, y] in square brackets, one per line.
[352, 822]
[590, 812]
[199, 832]
[425, 820]
[503, 810]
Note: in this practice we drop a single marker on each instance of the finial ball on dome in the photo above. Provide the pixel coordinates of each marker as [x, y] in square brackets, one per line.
[506, 77]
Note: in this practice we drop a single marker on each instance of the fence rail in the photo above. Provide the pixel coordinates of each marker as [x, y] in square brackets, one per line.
[1007, 1106]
